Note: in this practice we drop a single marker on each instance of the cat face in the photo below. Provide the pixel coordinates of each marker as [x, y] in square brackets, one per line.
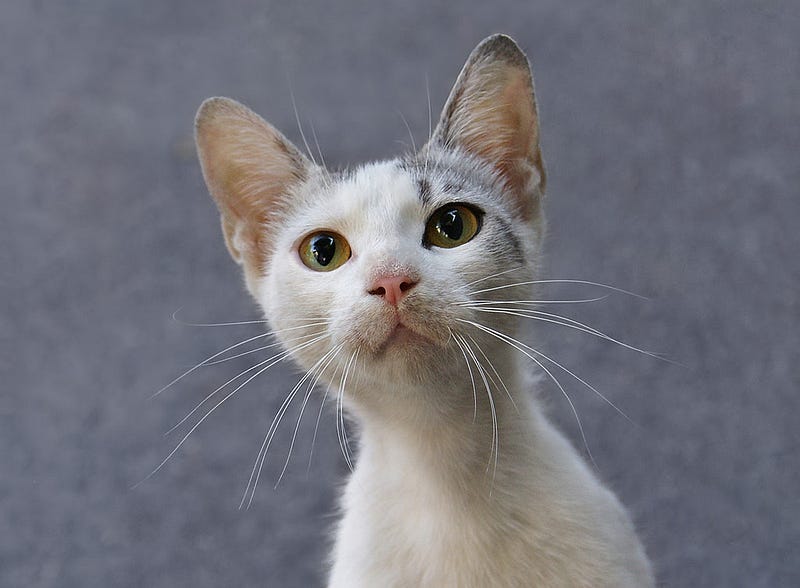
[381, 262]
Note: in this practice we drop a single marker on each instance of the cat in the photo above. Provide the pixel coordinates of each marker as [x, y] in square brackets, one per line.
[395, 277]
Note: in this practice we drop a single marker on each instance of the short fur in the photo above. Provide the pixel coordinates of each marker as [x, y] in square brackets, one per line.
[460, 480]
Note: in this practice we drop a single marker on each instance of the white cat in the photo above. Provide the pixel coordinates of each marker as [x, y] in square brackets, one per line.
[387, 276]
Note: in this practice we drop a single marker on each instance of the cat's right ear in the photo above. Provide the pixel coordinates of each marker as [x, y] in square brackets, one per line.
[249, 168]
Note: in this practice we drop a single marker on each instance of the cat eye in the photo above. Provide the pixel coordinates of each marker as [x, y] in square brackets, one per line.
[324, 251]
[452, 225]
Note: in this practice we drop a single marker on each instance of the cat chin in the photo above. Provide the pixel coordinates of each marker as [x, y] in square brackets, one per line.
[399, 351]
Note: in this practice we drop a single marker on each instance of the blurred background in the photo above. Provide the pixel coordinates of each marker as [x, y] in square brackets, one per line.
[671, 133]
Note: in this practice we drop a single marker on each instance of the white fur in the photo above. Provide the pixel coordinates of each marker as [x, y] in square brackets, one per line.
[460, 479]
[426, 505]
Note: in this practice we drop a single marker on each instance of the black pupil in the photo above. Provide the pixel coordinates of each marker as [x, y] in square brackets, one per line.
[450, 224]
[323, 248]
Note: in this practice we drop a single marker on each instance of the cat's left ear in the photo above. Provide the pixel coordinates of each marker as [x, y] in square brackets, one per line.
[491, 114]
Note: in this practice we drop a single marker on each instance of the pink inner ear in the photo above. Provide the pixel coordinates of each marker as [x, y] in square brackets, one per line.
[249, 167]
[504, 123]
[499, 125]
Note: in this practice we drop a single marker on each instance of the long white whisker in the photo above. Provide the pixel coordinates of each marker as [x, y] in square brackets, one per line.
[495, 445]
[569, 323]
[408, 128]
[234, 346]
[347, 373]
[300, 128]
[340, 428]
[309, 390]
[230, 324]
[319, 417]
[275, 359]
[258, 465]
[204, 417]
[262, 348]
[519, 347]
[472, 379]
[532, 302]
[582, 381]
[430, 123]
[584, 282]
[577, 377]
[500, 379]
[497, 275]
[205, 361]
[316, 142]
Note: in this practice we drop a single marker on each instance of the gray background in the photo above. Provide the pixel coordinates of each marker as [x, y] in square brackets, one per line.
[671, 133]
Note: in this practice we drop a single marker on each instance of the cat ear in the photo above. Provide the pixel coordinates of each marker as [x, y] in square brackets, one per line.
[249, 167]
[491, 113]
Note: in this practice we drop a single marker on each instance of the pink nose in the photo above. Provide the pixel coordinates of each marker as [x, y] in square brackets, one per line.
[392, 288]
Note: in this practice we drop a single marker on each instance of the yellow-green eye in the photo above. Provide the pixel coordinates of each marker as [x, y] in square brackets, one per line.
[324, 251]
[452, 225]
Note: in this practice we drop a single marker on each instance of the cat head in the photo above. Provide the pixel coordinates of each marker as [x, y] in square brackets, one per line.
[382, 262]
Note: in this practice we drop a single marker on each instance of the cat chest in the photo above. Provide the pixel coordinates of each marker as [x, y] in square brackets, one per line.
[432, 537]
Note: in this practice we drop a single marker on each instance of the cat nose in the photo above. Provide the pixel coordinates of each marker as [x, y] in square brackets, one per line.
[392, 288]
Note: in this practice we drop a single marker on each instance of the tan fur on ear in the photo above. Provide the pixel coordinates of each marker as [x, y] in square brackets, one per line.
[491, 113]
[249, 167]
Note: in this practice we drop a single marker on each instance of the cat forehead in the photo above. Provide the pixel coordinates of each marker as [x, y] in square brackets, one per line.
[406, 187]
[377, 194]
[383, 186]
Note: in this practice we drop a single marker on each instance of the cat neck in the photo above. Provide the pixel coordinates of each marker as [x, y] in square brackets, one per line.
[469, 444]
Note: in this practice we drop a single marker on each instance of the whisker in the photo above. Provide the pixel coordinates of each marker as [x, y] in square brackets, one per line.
[300, 128]
[316, 428]
[518, 346]
[309, 390]
[234, 346]
[472, 379]
[533, 302]
[569, 323]
[584, 282]
[347, 372]
[258, 465]
[430, 123]
[491, 365]
[340, 428]
[578, 378]
[584, 382]
[204, 417]
[205, 361]
[319, 417]
[408, 128]
[278, 357]
[316, 142]
[262, 348]
[497, 275]
[495, 445]
[229, 324]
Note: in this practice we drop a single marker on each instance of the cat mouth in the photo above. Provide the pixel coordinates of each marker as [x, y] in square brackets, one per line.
[403, 331]
[402, 335]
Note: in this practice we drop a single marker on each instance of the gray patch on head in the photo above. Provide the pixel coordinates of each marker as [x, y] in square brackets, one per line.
[449, 187]
[424, 186]
[455, 176]
[451, 171]
[510, 237]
